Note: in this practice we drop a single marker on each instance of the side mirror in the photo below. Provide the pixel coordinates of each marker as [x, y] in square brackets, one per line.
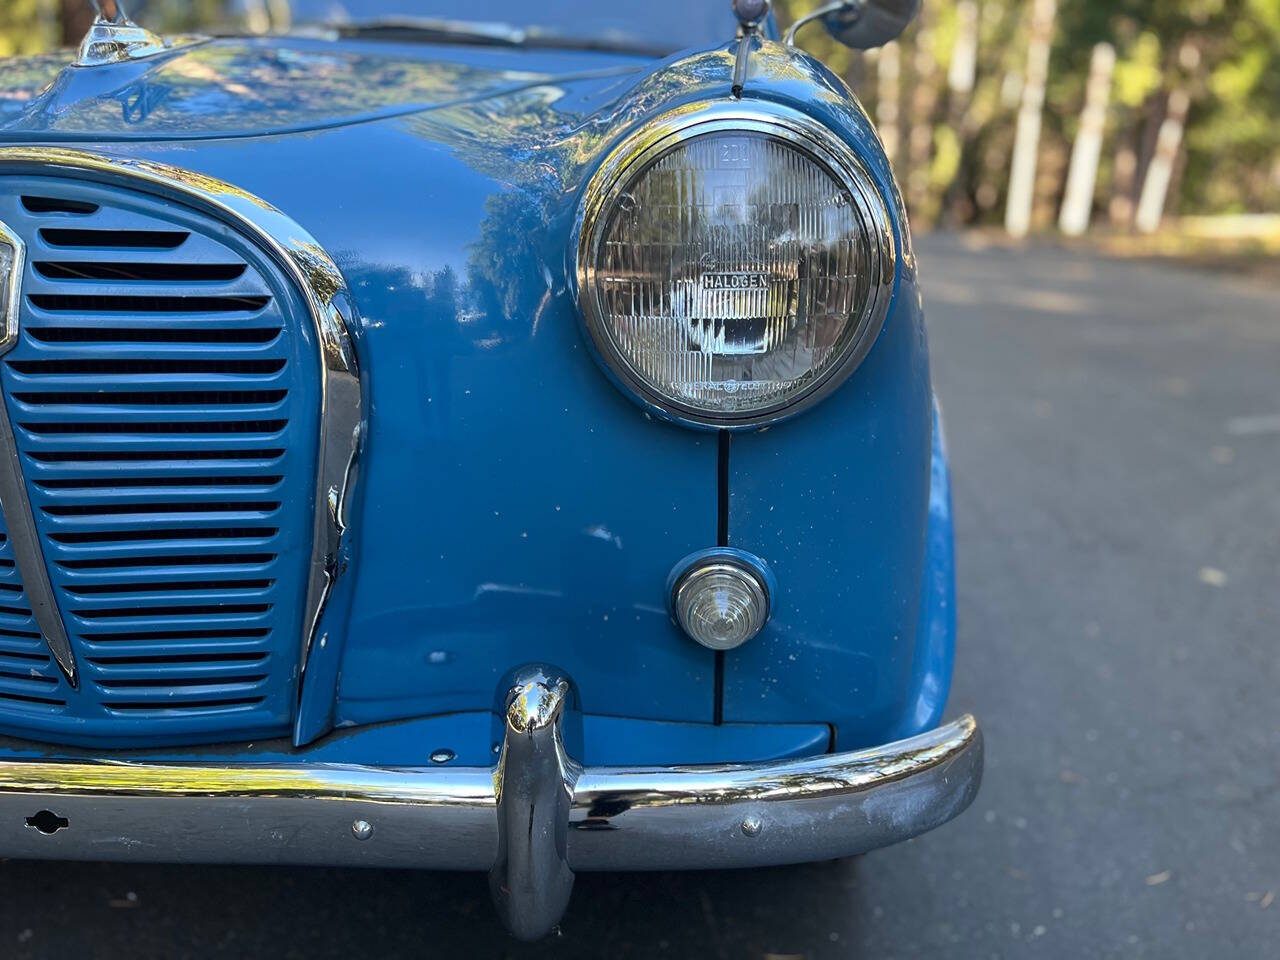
[862, 24]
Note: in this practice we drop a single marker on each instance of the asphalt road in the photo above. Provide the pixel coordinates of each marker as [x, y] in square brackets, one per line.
[1115, 438]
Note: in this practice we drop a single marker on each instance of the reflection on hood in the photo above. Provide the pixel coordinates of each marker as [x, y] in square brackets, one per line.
[247, 87]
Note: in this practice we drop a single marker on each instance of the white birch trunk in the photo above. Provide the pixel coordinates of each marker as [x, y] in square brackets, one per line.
[963, 68]
[924, 99]
[1155, 186]
[962, 74]
[281, 15]
[1123, 170]
[888, 71]
[1082, 177]
[1026, 144]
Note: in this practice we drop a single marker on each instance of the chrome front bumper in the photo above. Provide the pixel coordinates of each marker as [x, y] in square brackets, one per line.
[531, 821]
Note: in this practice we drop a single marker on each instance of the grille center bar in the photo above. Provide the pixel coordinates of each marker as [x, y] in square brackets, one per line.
[13, 496]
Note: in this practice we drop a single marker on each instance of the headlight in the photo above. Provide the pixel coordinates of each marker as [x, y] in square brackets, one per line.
[734, 265]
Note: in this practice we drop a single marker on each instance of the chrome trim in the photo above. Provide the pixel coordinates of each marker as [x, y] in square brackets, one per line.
[751, 15]
[114, 38]
[860, 24]
[317, 277]
[726, 563]
[662, 134]
[531, 880]
[853, 8]
[532, 821]
[28, 553]
[12, 284]
[742, 60]
[784, 811]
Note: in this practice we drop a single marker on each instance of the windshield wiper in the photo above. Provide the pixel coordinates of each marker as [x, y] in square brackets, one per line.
[427, 30]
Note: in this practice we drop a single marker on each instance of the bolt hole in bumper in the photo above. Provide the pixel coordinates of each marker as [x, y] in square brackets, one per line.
[532, 821]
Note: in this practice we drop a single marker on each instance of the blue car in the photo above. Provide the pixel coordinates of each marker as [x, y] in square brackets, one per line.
[490, 436]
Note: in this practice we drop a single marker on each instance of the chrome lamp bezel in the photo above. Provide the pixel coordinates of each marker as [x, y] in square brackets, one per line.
[642, 148]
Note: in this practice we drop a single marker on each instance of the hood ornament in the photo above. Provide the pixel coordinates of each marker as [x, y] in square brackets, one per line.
[114, 38]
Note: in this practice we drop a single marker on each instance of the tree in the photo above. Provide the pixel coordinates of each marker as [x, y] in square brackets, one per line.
[956, 99]
[1206, 72]
[1026, 144]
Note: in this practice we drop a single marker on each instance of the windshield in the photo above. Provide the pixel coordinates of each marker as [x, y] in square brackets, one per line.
[660, 24]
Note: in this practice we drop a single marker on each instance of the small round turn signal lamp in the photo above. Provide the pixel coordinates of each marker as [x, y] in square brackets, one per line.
[721, 597]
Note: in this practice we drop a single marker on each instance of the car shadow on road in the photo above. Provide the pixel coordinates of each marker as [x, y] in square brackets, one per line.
[113, 910]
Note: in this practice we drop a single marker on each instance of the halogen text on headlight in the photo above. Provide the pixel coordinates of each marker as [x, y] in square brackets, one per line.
[734, 267]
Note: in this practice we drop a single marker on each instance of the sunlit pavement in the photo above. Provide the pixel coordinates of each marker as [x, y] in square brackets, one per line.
[1115, 440]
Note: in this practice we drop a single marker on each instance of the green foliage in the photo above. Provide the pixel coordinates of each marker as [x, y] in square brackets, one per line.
[27, 26]
[1140, 73]
[1224, 53]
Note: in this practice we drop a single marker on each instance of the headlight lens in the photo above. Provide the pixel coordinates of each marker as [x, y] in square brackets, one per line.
[735, 267]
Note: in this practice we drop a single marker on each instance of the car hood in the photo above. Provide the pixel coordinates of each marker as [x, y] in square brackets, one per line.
[242, 87]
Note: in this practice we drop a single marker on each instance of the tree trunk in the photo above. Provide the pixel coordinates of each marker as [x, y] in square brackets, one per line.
[924, 100]
[1155, 186]
[1022, 173]
[76, 17]
[888, 70]
[1077, 205]
[963, 69]
[961, 76]
[1124, 171]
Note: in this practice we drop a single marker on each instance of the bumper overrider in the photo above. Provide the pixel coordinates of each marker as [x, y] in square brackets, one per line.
[532, 820]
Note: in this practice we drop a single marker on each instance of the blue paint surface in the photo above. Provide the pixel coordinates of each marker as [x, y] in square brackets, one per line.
[836, 503]
[934, 654]
[607, 741]
[514, 505]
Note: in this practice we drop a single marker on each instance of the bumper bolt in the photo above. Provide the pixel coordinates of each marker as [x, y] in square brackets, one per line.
[362, 829]
[751, 826]
[442, 756]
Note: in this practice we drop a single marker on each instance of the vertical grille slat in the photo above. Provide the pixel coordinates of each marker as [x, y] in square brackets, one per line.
[165, 410]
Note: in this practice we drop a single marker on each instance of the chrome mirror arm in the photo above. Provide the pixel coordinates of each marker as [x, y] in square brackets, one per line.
[851, 8]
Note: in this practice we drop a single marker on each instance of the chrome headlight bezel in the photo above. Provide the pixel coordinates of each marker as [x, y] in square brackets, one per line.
[644, 147]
